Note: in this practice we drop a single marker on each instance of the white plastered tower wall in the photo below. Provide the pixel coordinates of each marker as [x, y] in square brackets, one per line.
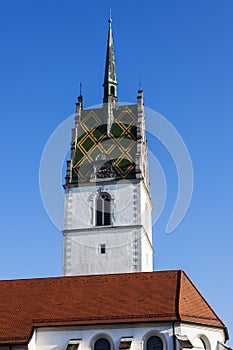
[127, 241]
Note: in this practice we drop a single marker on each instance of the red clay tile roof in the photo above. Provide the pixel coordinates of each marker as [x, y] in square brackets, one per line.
[101, 299]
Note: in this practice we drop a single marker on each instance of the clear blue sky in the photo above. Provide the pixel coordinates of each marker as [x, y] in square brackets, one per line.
[183, 52]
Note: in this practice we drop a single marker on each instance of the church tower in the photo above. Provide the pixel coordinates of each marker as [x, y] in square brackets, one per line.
[107, 224]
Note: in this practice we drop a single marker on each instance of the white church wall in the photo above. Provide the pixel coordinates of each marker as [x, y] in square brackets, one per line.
[32, 343]
[57, 339]
[210, 336]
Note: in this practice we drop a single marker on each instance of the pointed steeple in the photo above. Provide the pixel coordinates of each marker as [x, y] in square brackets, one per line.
[110, 82]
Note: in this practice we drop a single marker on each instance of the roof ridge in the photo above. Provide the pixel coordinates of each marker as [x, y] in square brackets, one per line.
[53, 278]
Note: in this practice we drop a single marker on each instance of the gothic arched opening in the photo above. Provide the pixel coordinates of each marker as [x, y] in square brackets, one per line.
[103, 209]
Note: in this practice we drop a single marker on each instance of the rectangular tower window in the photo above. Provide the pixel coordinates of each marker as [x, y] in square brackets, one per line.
[102, 249]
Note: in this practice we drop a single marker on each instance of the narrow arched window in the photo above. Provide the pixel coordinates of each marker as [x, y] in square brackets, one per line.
[103, 209]
[102, 344]
[154, 343]
[112, 90]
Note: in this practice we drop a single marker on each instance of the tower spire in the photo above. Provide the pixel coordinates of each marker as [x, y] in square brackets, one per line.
[80, 97]
[110, 82]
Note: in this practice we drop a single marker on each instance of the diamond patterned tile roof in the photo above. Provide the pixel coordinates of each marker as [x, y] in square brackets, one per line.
[93, 140]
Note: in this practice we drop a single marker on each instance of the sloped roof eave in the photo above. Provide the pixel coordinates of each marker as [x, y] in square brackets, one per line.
[100, 299]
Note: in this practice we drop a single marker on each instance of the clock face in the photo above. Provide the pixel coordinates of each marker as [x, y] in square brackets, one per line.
[103, 168]
[104, 171]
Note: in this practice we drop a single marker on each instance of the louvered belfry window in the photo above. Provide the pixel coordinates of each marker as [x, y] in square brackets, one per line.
[103, 209]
